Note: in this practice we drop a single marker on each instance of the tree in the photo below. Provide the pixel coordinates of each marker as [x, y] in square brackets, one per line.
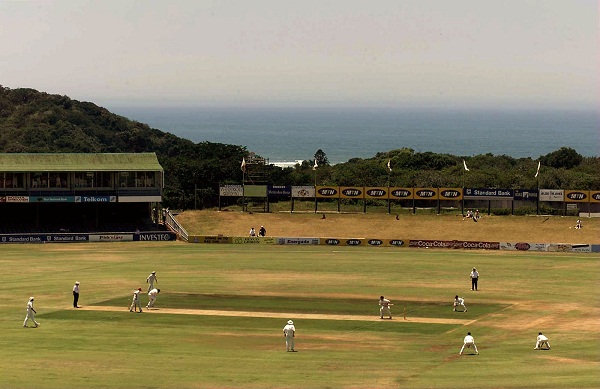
[321, 158]
[565, 157]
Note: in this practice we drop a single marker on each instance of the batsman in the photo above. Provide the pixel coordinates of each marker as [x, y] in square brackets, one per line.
[384, 307]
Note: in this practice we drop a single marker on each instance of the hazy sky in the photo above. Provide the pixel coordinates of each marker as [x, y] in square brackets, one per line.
[511, 53]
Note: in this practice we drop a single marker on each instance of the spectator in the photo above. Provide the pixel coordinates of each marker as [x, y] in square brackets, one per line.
[252, 232]
[262, 231]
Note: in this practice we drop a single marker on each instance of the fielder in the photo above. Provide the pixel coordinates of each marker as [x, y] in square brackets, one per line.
[541, 341]
[459, 301]
[289, 331]
[151, 280]
[384, 307]
[468, 343]
[135, 303]
[30, 314]
[152, 298]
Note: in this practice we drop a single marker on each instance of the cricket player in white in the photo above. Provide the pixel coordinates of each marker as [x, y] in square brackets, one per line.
[468, 343]
[289, 331]
[459, 301]
[151, 280]
[152, 297]
[384, 307]
[541, 341]
[30, 313]
[135, 303]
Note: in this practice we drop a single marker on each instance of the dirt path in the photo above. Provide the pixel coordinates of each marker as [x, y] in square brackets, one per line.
[314, 316]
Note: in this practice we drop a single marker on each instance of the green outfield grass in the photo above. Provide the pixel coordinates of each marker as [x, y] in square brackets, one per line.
[520, 295]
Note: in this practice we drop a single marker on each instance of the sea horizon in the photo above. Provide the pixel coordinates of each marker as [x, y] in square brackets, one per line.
[283, 134]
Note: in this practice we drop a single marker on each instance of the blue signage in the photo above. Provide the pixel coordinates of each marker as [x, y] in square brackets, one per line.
[488, 194]
[279, 190]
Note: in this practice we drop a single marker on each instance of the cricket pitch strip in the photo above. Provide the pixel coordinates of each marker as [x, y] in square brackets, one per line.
[277, 315]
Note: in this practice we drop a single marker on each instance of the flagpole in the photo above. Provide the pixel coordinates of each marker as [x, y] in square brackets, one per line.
[537, 173]
[315, 169]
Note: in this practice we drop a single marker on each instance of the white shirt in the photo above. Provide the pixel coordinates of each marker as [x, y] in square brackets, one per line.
[136, 294]
[469, 339]
[151, 278]
[252, 232]
[384, 302]
[474, 274]
[289, 330]
[76, 288]
[153, 292]
[459, 301]
[30, 306]
[542, 338]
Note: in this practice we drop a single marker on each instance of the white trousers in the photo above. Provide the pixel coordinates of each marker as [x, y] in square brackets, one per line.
[461, 305]
[289, 343]
[134, 304]
[385, 311]
[151, 301]
[541, 343]
[468, 345]
[30, 316]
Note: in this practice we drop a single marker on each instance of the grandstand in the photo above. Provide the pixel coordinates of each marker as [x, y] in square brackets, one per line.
[80, 193]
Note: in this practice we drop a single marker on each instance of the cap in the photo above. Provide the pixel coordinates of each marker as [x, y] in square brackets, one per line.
[76, 282]
[31, 298]
[289, 321]
[153, 272]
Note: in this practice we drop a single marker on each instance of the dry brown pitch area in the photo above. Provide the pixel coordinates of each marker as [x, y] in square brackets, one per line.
[537, 229]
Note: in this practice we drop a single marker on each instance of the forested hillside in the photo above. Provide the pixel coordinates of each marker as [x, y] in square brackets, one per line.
[36, 122]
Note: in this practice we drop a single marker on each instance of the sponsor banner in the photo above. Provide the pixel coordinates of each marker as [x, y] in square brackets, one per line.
[526, 194]
[22, 238]
[209, 239]
[139, 199]
[595, 196]
[577, 196]
[52, 199]
[565, 247]
[231, 191]
[385, 242]
[351, 192]
[154, 236]
[596, 248]
[95, 199]
[552, 195]
[450, 193]
[523, 246]
[376, 193]
[353, 242]
[67, 238]
[455, 244]
[279, 190]
[401, 193]
[298, 241]
[329, 192]
[14, 199]
[303, 191]
[111, 237]
[252, 240]
[255, 191]
[488, 194]
[426, 193]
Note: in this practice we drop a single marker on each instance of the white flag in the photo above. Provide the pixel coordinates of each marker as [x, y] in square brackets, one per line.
[465, 164]
[389, 165]
[243, 167]
[315, 166]
[538, 169]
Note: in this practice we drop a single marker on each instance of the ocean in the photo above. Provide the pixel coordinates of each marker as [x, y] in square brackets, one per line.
[286, 134]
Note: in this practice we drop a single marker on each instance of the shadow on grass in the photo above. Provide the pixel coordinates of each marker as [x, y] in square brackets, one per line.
[283, 304]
